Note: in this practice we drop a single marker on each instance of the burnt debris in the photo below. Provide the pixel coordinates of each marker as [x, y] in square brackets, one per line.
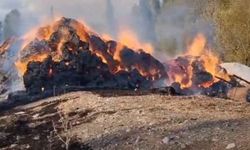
[89, 62]
[65, 55]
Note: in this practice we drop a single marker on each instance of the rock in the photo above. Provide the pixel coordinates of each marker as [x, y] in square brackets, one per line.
[36, 137]
[18, 137]
[215, 140]
[35, 116]
[166, 140]
[27, 146]
[20, 113]
[13, 145]
[137, 140]
[183, 146]
[128, 130]
[231, 146]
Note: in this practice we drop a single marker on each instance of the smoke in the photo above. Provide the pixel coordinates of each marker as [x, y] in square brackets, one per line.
[144, 20]
[178, 23]
[93, 12]
[101, 15]
[167, 26]
[111, 18]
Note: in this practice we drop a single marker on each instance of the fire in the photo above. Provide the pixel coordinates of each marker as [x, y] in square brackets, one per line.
[129, 38]
[181, 75]
[44, 33]
[126, 37]
[197, 47]
[73, 55]
[107, 37]
[82, 29]
[22, 64]
[207, 84]
[74, 47]
[118, 50]
[102, 58]
[37, 32]
[5, 46]
[56, 36]
[197, 53]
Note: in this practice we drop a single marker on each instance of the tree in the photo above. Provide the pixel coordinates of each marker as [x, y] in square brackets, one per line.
[144, 20]
[11, 24]
[111, 18]
[156, 6]
[230, 19]
[233, 28]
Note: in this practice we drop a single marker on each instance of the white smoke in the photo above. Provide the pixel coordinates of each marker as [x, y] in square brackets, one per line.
[178, 23]
[91, 11]
[174, 21]
[35, 13]
[173, 24]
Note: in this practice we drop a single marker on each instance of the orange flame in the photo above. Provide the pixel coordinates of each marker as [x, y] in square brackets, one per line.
[210, 62]
[197, 47]
[126, 37]
[22, 65]
[129, 38]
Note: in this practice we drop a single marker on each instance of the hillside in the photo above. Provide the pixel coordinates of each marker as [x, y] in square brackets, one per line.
[127, 120]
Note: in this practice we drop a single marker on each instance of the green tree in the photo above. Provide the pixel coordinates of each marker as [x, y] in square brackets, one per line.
[231, 19]
[233, 28]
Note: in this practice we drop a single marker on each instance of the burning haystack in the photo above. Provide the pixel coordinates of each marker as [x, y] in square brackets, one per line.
[67, 54]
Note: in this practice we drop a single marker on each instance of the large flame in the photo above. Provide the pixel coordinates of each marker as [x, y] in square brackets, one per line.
[197, 51]
[5, 46]
[180, 70]
[126, 38]
[44, 33]
[129, 38]
[22, 65]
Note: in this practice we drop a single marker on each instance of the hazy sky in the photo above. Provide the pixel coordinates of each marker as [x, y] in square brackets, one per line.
[71, 8]
[92, 11]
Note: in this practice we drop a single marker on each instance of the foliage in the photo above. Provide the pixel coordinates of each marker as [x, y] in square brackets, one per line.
[231, 19]
[233, 28]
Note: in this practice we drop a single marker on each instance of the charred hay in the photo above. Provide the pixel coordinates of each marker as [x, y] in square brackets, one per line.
[80, 65]
[76, 57]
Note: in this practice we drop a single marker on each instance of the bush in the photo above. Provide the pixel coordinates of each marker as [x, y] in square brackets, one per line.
[233, 28]
[231, 19]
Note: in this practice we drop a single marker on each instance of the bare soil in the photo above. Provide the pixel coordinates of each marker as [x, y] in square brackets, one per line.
[127, 120]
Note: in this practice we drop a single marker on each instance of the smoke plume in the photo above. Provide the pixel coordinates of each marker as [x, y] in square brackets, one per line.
[167, 26]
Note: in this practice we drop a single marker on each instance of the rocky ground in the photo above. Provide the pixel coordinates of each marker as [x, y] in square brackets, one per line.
[126, 120]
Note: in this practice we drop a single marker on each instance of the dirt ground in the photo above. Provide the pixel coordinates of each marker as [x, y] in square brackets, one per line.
[127, 120]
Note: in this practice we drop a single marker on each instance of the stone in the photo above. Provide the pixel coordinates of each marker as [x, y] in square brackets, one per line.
[13, 145]
[35, 116]
[36, 137]
[231, 146]
[20, 113]
[166, 140]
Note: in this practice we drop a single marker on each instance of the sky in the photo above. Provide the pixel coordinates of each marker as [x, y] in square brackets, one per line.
[176, 22]
[91, 11]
